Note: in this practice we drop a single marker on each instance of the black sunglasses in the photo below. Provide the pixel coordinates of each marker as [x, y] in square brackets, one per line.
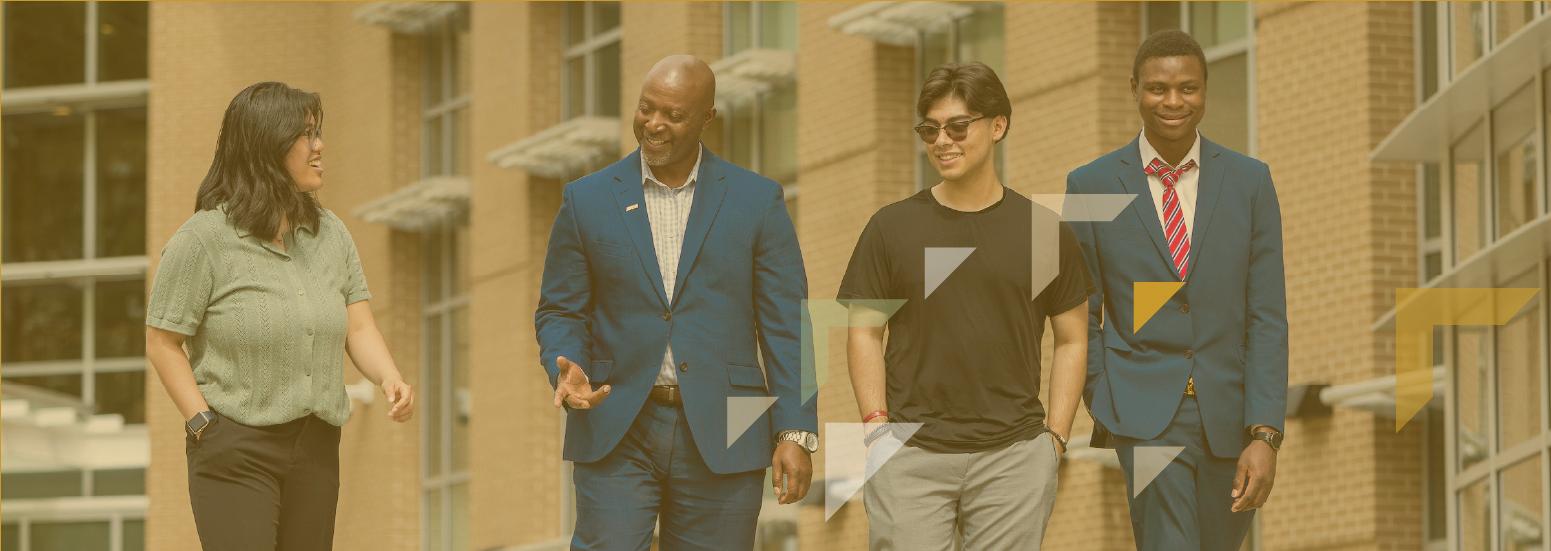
[956, 130]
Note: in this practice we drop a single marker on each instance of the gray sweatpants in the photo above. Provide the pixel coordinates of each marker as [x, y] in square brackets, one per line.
[992, 500]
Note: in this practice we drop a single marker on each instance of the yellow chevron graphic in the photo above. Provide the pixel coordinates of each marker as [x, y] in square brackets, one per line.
[1148, 297]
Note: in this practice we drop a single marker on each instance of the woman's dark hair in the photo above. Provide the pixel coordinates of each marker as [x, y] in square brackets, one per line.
[248, 174]
[973, 82]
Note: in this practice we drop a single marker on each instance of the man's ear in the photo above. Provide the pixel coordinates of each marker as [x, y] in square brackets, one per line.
[710, 115]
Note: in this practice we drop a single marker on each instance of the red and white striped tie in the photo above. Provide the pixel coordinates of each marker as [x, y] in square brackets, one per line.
[1173, 217]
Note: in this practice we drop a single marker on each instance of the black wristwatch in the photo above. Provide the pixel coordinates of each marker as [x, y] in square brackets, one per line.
[201, 421]
[1271, 437]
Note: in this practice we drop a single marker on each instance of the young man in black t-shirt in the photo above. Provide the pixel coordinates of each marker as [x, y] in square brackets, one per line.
[963, 356]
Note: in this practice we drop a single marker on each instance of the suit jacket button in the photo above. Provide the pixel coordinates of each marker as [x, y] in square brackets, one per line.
[667, 315]
[683, 366]
[1185, 309]
[1190, 354]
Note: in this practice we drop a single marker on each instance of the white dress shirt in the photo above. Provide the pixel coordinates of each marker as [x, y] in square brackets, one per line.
[1185, 186]
[667, 211]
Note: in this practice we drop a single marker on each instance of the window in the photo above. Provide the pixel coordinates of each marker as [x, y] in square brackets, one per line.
[980, 36]
[1224, 31]
[1468, 158]
[446, 98]
[1516, 157]
[1500, 391]
[1467, 30]
[1509, 18]
[74, 197]
[444, 320]
[761, 134]
[591, 81]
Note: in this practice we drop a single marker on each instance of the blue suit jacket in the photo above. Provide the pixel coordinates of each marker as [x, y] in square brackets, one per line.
[740, 284]
[1227, 326]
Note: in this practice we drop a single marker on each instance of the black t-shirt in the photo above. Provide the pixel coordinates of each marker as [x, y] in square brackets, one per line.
[965, 361]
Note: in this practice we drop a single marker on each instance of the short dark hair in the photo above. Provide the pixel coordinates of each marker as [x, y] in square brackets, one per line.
[248, 174]
[973, 82]
[1168, 43]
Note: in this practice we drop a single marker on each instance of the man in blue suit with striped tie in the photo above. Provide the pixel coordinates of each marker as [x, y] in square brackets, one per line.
[667, 274]
[1206, 375]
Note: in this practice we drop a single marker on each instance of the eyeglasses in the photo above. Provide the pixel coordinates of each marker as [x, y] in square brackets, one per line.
[957, 130]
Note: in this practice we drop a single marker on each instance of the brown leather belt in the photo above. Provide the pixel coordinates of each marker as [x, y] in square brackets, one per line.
[1190, 386]
[667, 395]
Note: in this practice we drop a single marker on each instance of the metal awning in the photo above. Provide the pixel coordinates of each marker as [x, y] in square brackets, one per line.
[1425, 135]
[421, 205]
[1493, 266]
[564, 150]
[747, 74]
[49, 431]
[1376, 395]
[897, 23]
[406, 17]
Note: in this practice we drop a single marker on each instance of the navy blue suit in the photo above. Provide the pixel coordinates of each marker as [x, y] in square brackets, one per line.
[1226, 328]
[738, 293]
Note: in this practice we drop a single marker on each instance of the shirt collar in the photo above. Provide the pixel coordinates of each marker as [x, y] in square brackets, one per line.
[694, 173]
[1149, 153]
[243, 232]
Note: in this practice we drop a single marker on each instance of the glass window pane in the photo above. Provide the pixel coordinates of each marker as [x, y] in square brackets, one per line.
[460, 394]
[121, 145]
[739, 128]
[460, 260]
[1162, 16]
[70, 536]
[43, 177]
[134, 535]
[1227, 94]
[605, 17]
[32, 485]
[1468, 23]
[460, 517]
[778, 143]
[935, 50]
[460, 143]
[121, 41]
[778, 25]
[432, 259]
[1214, 23]
[434, 529]
[431, 382]
[435, 164]
[1510, 18]
[575, 87]
[1436, 481]
[45, 44]
[10, 537]
[118, 482]
[1469, 209]
[606, 82]
[1518, 373]
[575, 23]
[1521, 526]
[41, 322]
[461, 52]
[1427, 13]
[740, 27]
[1475, 518]
[981, 37]
[1432, 200]
[1517, 160]
[121, 392]
[1434, 265]
[433, 68]
[120, 318]
[1471, 363]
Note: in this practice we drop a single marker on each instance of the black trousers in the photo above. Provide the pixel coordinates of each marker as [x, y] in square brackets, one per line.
[271, 488]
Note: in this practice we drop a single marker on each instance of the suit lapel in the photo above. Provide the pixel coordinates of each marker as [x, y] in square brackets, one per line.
[627, 192]
[1208, 188]
[709, 191]
[1135, 181]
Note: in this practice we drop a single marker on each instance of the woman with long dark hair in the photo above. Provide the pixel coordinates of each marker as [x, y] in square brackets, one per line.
[265, 288]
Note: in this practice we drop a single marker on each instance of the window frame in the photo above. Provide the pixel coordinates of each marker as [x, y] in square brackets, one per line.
[757, 136]
[592, 43]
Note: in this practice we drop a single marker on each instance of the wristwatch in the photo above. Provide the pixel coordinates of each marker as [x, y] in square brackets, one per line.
[808, 441]
[201, 421]
[1271, 437]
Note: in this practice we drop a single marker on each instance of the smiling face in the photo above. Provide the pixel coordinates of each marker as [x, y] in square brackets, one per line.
[954, 159]
[304, 161]
[1170, 95]
[676, 106]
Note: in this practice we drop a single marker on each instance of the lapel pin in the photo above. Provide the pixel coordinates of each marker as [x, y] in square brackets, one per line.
[632, 207]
